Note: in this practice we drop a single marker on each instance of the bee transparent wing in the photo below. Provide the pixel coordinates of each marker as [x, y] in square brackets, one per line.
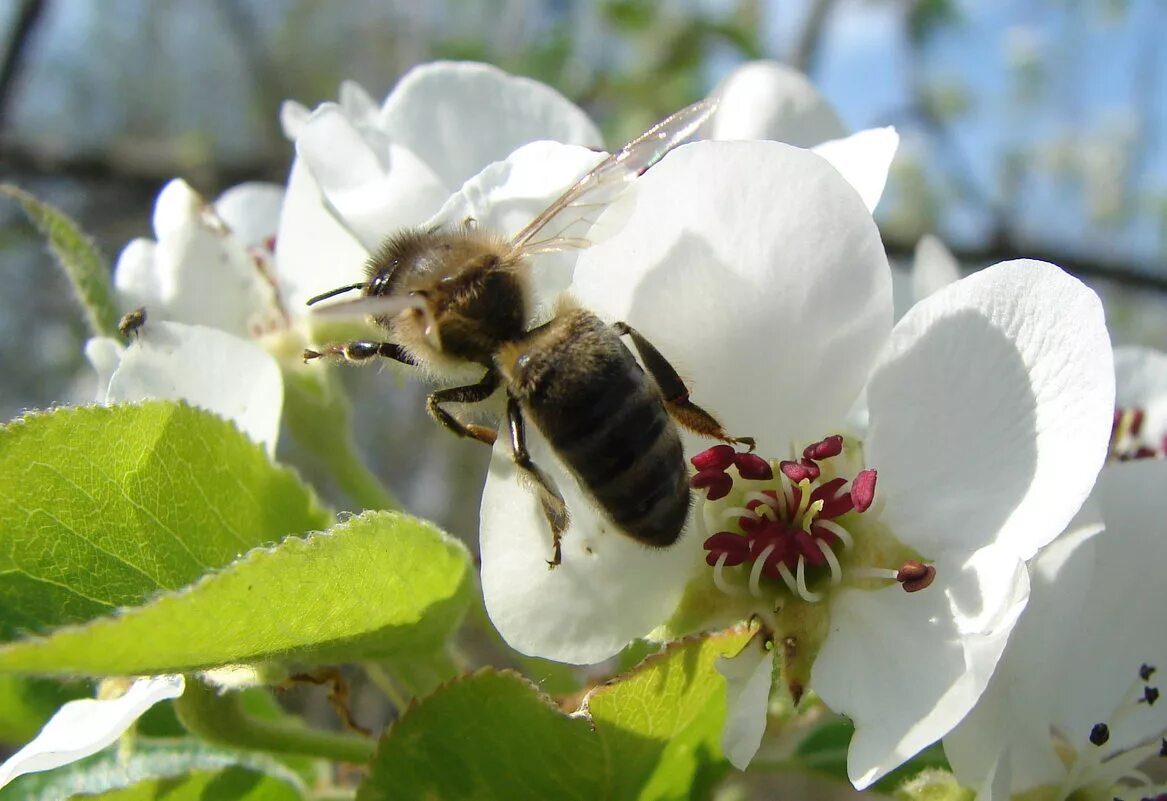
[561, 225]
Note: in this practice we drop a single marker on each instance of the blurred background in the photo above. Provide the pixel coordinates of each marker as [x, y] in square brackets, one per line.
[1028, 129]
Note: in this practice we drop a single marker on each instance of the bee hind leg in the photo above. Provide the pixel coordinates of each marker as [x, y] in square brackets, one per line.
[554, 508]
[687, 414]
[471, 393]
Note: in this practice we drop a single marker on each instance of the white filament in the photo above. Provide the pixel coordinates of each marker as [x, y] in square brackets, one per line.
[833, 561]
[756, 570]
[803, 592]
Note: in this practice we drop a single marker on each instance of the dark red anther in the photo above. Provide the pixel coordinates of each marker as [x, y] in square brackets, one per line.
[270, 244]
[1150, 696]
[718, 457]
[752, 466]
[797, 471]
[1163, 748]
[1146, 671]
[716, 483]
[735, 547]
[824, 449]
[1099, 734]
[809, 549]
[1136, 421]
[915, 576]
[863, 490]
[1117, 420]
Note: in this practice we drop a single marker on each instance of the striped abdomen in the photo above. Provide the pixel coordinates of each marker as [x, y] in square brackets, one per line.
[605, 418]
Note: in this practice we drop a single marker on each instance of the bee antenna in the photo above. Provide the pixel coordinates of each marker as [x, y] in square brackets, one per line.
[334, 292]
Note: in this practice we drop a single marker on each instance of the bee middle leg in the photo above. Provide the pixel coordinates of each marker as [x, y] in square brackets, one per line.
[554, 508]
[471, 393]
[683, 410]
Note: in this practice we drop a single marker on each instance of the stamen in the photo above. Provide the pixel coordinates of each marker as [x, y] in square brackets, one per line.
[825, 448]
[803, 498]
[733, 512]
[717, 483]
[915, 576]
[806, 594]
[838, 531]
[875, 573]
[787, 578]
[1146, 672]
[756, 570]
[753, 467]
[863, 490]
[786, 498]
[1150, 696]
[719, 578]
[1100, 734]
[719, 457]
[761, 497]
[833, 561]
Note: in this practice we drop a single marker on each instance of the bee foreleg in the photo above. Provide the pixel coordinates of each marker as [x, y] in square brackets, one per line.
[360, 351]
[554, 508]
[471, 393]
[676, 394]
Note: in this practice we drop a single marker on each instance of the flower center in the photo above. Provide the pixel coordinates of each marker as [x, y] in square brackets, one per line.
[1129, 441]
[1118, 772]
[789, 521]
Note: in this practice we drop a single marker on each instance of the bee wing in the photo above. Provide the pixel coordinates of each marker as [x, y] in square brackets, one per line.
[592, 193]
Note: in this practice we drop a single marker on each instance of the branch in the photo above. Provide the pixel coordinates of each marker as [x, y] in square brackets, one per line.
[138, 167]
[31, 12]
[803, 57]
[1003, 247]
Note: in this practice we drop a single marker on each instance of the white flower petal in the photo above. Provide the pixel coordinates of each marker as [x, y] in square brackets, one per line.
[748, 677]
[197, 272]
[458, 117]
[177, 206]
[136, 277]
[756, 270]
[508, 194]
[104, 354]
[933, 267]
[231, 377]
[863, 159]
[293, 115]
[84, 727]
[609, 589]
[375, 189]
[252, 211]
[990, 410]
[1121, 626]
[1013, 717]
[314, 251]
[906, 667]
[768, 100]
[357, 104]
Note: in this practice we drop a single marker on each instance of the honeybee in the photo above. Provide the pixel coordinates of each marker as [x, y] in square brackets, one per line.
[452, 298]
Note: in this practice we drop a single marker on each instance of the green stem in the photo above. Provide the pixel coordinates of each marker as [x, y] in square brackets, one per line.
[354, 476]
[221, 720]
[317, 413]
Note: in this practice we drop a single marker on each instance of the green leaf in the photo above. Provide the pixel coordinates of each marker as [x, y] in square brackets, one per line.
[104, 507]
[27, 702]
[78, 256]
[659, 723]
[376, 585]
[493, 735]
[170, 770]
[489, 736]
